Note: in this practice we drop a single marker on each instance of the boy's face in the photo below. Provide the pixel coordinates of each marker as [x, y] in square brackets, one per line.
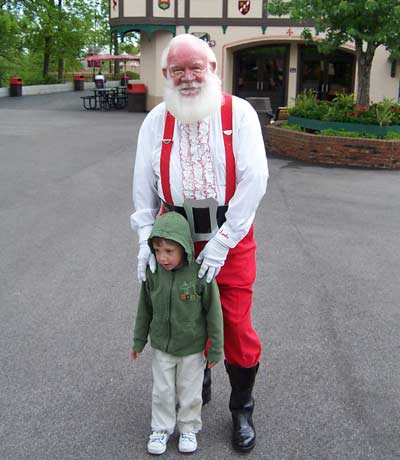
[168, 254]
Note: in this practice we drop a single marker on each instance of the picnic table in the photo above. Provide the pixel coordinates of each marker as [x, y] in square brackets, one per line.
[106, 99]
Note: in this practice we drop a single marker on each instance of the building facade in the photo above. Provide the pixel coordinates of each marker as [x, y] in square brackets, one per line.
[258, 55]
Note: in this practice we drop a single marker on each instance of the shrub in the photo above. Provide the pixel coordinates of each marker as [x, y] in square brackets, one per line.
[339, 107]
[291, 127]
[384, 112]
[343, 109]
[308, 106]
[343, 133]
[392, 135]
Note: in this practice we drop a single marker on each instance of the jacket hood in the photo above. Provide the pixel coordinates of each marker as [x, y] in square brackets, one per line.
[175, 227]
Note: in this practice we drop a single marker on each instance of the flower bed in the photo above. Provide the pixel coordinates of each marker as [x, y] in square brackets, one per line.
[331, 150]
[339, 133]
[362, 128]
[343, 109]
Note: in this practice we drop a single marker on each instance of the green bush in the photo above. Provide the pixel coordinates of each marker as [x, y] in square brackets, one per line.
[307, 105]
[339, 107]
[291, 127]
[343, 133]
[133, 75]
[343, 109]
[392, 135]
[384, 112]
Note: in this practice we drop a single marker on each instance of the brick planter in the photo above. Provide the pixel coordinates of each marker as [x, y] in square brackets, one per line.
[334, 151]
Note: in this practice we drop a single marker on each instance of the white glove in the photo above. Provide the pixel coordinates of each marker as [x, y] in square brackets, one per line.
[145, 257]
[212, 258]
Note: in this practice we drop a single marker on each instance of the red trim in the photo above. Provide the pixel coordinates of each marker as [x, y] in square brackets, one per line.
[226, 117]
[166, 148]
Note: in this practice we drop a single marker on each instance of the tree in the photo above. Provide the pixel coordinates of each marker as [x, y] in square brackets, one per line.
[10, 38]
[58, 29]
[367, 23]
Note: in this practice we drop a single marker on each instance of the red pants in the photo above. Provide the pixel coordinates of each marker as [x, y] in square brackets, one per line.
[235, 281]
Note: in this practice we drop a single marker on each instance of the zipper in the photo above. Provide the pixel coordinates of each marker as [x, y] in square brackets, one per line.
[169, 308]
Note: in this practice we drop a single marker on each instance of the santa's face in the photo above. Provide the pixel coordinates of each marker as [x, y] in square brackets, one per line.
[192, 89]
[187, 68]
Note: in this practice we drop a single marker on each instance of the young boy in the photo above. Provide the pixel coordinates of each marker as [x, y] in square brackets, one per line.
[180, 312]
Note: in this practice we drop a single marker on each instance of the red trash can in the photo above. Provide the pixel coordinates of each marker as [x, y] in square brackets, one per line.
[136, 97]
[15, 86]
[79, 82]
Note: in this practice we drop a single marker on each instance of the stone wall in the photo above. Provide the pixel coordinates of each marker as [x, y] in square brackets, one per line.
[56, 88]
[330, 150]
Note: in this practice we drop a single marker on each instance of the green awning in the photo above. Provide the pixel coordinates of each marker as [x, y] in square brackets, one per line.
[147, 28]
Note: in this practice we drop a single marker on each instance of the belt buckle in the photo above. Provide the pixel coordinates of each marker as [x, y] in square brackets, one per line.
[202, 218]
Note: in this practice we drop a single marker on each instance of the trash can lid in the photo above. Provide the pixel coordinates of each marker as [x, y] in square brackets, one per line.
[136, 88]
[15, 81]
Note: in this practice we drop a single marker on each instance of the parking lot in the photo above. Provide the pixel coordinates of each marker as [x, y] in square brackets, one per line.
[326, 301]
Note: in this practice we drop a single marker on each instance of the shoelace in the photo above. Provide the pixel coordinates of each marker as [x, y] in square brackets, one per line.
[188, 437]
[158, 437]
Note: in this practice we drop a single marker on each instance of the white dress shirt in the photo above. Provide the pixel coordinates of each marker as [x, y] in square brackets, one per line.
[197, 168]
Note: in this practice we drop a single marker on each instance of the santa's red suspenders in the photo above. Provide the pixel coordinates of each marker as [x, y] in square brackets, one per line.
[226, 118]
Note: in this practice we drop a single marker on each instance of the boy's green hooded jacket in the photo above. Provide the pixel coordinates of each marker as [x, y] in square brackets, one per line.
[176, 309]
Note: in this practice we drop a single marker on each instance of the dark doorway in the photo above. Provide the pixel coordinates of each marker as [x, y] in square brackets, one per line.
[327, 75]
[262, 72]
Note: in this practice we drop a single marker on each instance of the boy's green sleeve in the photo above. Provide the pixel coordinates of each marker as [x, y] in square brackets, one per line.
[144, 316]
[215, 327]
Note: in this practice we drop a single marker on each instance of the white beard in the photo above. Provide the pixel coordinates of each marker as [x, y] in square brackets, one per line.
[191, 109]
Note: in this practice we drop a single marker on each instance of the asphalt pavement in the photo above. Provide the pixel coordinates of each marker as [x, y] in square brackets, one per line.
[326, 301]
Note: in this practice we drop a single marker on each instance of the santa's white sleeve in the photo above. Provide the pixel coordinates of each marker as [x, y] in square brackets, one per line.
[251, 174]
[145, 196]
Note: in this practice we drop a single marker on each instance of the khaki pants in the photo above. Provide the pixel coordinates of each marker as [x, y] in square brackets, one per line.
[177, 386]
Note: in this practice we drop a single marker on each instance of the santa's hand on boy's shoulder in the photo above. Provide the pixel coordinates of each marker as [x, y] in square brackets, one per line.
[212, 258]
[135, 354]
[145, 257]
[211, 364]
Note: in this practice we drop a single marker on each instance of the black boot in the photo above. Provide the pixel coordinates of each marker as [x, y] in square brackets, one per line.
[206, 392]
[241, 405]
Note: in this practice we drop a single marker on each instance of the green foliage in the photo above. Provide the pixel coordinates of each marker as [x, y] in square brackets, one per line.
[9, 46]
[392, 135]
[368, 24]
[344, 109]
[291, 127]
[384, 112]
[374, 21]
[341, 104]
[344, 133]
[307, 105]
[41, 40]
[133, 75]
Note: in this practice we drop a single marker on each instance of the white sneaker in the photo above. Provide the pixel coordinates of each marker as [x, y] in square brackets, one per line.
[157, 442]
[187, 442]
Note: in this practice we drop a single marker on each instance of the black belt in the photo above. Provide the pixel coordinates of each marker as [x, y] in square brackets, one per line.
[201, 216]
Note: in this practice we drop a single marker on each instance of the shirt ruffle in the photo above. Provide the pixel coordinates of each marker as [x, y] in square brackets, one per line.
[197, 166]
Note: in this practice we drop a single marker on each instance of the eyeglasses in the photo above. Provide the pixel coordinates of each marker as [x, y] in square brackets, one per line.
[178, 72]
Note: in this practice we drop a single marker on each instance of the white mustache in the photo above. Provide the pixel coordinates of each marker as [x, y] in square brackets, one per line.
[195, 84]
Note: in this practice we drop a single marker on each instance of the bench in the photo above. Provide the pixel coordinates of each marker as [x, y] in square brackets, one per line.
[119, 101]
[105, 101]
[90, 102]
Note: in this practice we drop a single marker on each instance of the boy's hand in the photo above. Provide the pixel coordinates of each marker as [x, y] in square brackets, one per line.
[135, 354]
[211, 364]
